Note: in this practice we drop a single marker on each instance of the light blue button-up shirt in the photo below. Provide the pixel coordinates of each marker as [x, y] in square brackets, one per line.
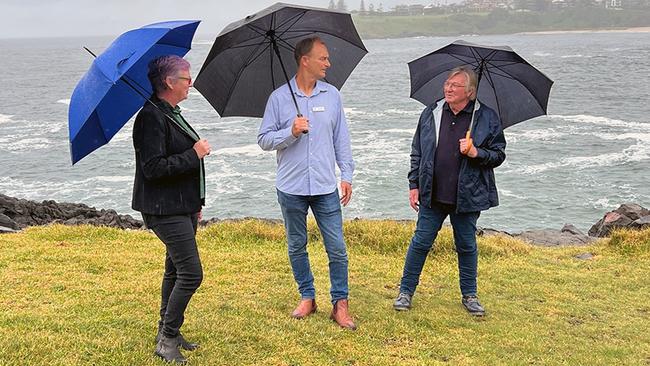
[306, 163]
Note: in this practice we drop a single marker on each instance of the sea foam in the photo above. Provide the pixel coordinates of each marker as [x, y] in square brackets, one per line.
[4, 118]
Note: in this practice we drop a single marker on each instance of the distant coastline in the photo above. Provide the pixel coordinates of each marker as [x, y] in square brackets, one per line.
[578, 31]
[499, 21]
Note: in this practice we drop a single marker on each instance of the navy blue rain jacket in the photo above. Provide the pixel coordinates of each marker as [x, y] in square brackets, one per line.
[477, 189]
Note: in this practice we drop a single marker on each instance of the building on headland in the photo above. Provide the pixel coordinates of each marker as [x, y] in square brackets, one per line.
[486, 6]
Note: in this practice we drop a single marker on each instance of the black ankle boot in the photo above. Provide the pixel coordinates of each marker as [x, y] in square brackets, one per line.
[185, 344]
[167, 349]
[188, 346]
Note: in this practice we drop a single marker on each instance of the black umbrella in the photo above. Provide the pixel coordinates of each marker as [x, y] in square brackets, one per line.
[507, 83]
[254, 56]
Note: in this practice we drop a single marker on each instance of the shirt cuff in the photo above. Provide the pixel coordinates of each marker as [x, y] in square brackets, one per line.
[346, 177]
[289, 138]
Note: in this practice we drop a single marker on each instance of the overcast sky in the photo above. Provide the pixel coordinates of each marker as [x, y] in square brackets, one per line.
[63, 18]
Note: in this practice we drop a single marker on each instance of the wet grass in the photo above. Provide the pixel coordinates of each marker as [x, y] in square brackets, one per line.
[89, 296]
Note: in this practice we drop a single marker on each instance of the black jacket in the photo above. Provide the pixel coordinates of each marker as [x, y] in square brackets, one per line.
[167, 169]
[477, 190]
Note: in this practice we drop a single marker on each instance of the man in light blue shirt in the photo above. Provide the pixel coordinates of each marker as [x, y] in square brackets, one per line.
[308, 147]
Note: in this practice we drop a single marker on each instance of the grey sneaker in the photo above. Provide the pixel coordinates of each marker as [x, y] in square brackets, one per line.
[473, 306]
[403, 302]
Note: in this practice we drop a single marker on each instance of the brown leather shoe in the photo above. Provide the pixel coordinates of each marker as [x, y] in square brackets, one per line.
[304, 309]
[341, 315]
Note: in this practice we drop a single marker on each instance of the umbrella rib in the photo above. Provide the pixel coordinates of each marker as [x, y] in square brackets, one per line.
[520, 83]
[488, 77]
[279, 37]
[493, 70]
[486, 58]
[303, 33]
[476, 56]
[263, 32]
[459, 58]
[296, 18]
[272, 72]
[343, 39]
[273, 20]
[266, 42]
[254, 58]
[491, 62]
[240, 45]
[241, 70]
[256, 29]
[286, 45]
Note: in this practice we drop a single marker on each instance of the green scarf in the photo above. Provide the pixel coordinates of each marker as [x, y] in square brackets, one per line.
[182, 123]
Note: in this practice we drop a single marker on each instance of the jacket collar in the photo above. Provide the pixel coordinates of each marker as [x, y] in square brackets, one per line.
[170, 111]
[467, 109]
[436, 113]
[440, 103]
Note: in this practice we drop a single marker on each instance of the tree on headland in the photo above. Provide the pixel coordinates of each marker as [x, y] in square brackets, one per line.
[340, 5]
[371, 8]
[331, 5]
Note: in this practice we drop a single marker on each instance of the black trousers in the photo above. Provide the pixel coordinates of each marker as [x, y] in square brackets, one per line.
[183, 271]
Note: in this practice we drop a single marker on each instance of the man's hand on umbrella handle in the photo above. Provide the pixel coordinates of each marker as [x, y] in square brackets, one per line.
[346, 192]
[414, 199]
[202, 148]
[467, 146]
[300, 126]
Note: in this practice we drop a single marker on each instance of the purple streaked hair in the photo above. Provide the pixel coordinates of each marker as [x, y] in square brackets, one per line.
[162, 67]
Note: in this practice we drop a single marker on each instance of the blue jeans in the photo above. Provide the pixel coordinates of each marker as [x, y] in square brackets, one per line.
[429, 223]
[327, 211]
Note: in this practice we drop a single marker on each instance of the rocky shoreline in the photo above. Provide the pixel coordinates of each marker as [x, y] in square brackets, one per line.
[17, 214]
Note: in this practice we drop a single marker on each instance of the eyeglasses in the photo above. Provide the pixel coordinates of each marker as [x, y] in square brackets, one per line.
[453, 85]
[189, 80]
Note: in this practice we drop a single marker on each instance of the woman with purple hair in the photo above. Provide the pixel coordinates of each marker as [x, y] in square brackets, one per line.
[169, 191]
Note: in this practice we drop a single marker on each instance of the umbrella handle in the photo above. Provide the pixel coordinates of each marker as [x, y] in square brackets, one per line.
[468, 137]
[304, 131]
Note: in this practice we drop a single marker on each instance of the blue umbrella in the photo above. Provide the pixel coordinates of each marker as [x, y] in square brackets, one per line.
[116, 85]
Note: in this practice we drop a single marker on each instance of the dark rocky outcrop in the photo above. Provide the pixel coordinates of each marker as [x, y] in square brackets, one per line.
[7, 223]
[568, 235]
[18, 213]
[628, 215]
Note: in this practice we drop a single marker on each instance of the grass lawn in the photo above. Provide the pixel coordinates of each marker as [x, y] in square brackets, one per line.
[89, 296]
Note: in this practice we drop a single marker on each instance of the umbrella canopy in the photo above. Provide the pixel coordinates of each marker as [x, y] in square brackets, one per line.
[507, 83]
[254, 56]
[116, 85]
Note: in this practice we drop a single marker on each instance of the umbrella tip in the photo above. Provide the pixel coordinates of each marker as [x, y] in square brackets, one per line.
[89, 51]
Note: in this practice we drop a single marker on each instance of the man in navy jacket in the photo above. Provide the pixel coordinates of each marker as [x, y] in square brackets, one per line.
[452, 176]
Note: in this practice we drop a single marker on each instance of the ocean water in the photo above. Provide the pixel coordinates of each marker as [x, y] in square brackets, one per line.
[590, 154]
